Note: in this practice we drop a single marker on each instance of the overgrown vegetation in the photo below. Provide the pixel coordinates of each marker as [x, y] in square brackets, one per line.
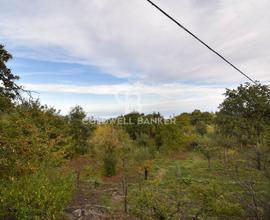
[197, 165]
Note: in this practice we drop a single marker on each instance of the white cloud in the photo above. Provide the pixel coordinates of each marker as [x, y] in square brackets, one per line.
[125, 89]
[131, 39]
[123, 98]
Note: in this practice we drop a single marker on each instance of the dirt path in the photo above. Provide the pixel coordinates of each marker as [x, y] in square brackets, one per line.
[104, 201]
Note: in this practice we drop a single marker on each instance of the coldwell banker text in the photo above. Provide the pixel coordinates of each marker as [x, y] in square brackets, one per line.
[138, 121]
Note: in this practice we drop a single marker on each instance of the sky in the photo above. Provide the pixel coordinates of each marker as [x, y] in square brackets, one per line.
[116, 56]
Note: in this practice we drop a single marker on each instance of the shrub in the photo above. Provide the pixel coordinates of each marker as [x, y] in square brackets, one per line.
[110, 165]
[42, 195]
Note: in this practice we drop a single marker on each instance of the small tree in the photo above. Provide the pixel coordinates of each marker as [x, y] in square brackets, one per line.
[113, 144]
[110, 143]
[80, 130]
[207, 148]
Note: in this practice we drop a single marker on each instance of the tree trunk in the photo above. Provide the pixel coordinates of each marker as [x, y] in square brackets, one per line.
[78, 179]
[125, 195]
[126, 199]
[124, 186]
[258, 159]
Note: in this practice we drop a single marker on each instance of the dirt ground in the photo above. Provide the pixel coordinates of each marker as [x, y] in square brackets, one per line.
[89, 199]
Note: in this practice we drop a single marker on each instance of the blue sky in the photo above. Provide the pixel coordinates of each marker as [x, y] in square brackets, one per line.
[43, 71]
[116, 56]
[32, 71]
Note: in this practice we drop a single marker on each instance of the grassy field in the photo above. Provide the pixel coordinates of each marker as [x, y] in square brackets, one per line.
[172, 179]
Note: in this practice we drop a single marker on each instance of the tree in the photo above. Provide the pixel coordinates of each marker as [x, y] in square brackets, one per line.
[80, 130]
[30, 134]
[132, 127]
[201, 128]
[32, 140]
[8, 87]
[113, 145]
[197, 116]
[177, 135]
[207, 148]
[110, 143]
[105, 145]
[245, 115]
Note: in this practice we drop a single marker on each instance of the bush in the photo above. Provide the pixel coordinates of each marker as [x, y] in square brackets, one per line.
[42, 195]
[110, 165]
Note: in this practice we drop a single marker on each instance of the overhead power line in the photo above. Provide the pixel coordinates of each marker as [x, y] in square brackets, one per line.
[201, 41]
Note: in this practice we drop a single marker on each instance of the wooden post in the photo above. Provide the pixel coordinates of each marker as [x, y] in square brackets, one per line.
[78, 179]
[145, 173]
